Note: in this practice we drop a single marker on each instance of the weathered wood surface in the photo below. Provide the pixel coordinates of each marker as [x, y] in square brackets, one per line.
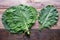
[53, 34]
[48, 34]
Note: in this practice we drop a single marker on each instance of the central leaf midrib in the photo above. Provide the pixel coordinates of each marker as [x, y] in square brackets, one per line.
[26, 27]
[46, 18]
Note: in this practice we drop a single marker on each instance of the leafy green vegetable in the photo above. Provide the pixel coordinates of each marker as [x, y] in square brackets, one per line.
[47, 17]
[19, 19]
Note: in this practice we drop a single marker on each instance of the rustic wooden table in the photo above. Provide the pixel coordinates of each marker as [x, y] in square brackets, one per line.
[46, 34]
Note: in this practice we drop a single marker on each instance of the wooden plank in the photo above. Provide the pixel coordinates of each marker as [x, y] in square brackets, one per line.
[57, 26]
[49, 34]
[1, 12]
[42, 3]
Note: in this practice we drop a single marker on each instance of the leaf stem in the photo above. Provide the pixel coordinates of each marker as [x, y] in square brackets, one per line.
[27, 30]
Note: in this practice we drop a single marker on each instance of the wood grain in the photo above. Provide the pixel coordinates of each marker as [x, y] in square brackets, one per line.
[46, 34]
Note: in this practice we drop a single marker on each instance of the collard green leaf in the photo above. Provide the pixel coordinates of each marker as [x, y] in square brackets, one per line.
[48, 16]
[19, 19]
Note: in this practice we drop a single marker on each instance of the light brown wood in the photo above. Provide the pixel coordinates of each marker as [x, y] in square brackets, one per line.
[41, 3]
[57, 26]
[49, 34]
[4, 4]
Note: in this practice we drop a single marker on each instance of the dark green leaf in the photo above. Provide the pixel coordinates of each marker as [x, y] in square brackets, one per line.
[18, 19]
[48, 16]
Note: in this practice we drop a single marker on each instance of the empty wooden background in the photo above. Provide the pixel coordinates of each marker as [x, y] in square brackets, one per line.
[46, 34]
